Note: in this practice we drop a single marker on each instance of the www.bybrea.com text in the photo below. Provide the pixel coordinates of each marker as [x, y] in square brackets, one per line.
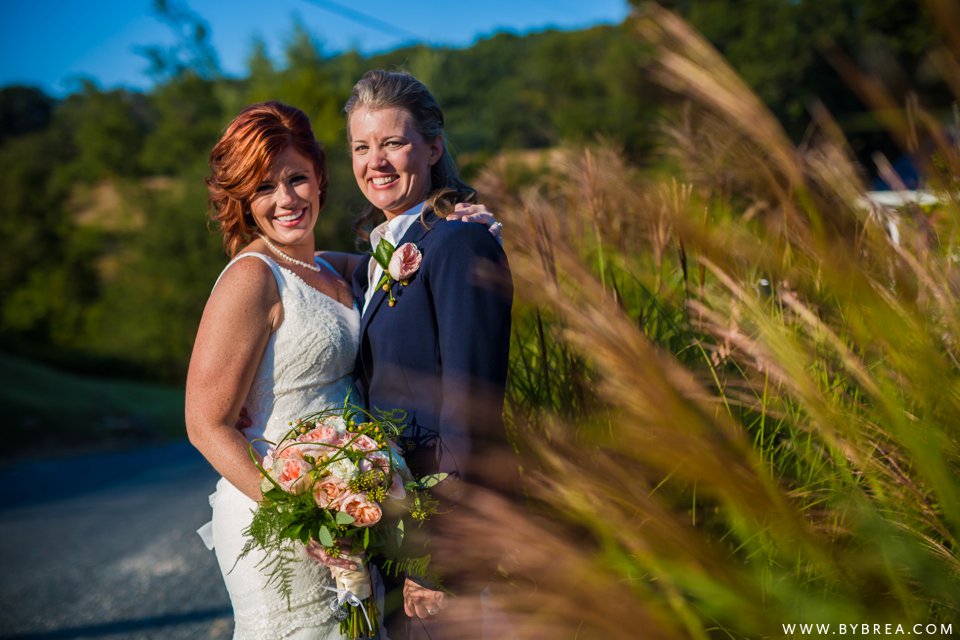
[814, 630]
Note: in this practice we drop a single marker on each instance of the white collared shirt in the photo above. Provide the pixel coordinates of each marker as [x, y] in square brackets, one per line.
[392, 231]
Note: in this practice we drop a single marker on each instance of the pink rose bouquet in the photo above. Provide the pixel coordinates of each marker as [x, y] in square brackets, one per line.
[337, 478]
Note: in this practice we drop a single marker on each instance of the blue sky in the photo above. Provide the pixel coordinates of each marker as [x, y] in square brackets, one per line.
[51, 44]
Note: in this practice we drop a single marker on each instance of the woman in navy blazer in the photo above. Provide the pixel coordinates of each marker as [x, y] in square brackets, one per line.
[436, 343]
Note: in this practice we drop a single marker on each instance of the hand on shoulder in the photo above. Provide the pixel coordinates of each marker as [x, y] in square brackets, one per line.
[478, 214]
[468, 236]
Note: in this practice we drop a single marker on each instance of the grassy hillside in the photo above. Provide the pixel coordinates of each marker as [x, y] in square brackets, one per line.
[48, 410]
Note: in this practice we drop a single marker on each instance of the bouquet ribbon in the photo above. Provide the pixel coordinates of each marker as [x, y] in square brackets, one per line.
[352, 587]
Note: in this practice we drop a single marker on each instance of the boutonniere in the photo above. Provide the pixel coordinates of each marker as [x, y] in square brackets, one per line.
[398, 263]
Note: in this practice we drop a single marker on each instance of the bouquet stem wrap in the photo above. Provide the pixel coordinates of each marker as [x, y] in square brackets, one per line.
[355, 590]
[356, 582]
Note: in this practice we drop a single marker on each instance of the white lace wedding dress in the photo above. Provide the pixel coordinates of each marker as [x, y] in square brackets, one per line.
[306, 367]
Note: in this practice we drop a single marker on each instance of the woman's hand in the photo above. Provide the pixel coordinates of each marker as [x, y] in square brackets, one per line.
[317, 551]
[420, 602]
[477, 213]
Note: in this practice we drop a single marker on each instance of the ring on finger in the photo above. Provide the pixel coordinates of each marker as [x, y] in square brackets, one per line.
[433, 611]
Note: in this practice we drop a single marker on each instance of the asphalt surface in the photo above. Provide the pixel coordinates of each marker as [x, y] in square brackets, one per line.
[105, 546]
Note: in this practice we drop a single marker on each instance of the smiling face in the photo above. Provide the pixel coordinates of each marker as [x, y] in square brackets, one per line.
[286, 203]
[391, 160]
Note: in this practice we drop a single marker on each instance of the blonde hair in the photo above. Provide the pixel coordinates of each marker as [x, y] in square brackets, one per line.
[380, 89]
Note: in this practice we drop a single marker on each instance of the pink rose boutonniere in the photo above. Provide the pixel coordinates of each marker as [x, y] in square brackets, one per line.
[404, 262]
[398, 263]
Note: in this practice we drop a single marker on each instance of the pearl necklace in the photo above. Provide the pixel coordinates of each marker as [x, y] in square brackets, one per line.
[288, 258]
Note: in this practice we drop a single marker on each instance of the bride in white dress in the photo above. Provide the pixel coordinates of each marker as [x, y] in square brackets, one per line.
[279, 338]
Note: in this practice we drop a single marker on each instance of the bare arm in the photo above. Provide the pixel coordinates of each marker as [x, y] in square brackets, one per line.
[344, 263]
[242, 311]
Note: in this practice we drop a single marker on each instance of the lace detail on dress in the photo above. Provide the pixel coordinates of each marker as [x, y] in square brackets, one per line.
[259, 618]
[308, 363]
[307, 366]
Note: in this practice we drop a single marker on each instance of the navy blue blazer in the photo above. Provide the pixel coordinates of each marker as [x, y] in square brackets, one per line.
[440, 353]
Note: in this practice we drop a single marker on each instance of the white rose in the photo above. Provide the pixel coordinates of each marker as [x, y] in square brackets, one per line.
[344, 469]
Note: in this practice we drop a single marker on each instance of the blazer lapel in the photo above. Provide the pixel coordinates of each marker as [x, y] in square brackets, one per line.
[359, 281]
[375, 302]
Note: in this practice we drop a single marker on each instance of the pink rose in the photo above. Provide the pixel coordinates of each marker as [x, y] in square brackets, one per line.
[320, 442]
[375, 459]
[364, 443]
[405, 261]
[321, 433]
[363, 512]
[288, 450]
[328, 491]
[397, 491]
[291, 474]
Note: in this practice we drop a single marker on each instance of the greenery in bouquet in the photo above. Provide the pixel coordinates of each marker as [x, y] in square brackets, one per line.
[338, 478]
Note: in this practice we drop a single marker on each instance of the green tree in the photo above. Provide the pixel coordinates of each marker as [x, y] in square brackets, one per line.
[262, 76]
[23, 110]
[165, 270]
[781, 49]
[306, 83]
[106, 129]
[187, 117]
[191, 51]
[49, 280]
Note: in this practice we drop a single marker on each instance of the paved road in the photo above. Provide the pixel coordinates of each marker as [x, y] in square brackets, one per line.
[104, 546]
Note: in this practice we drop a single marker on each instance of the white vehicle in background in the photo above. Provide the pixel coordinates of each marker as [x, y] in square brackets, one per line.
[887, 205]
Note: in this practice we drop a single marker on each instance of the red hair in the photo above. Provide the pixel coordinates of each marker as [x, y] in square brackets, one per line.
[239, 161]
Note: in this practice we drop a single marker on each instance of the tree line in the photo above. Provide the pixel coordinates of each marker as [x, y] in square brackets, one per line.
[109, 255]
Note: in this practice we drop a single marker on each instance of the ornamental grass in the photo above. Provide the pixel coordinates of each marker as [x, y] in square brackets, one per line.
[734, 389]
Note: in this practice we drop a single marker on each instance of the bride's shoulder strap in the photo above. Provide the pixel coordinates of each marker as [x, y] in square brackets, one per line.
[274, 267]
